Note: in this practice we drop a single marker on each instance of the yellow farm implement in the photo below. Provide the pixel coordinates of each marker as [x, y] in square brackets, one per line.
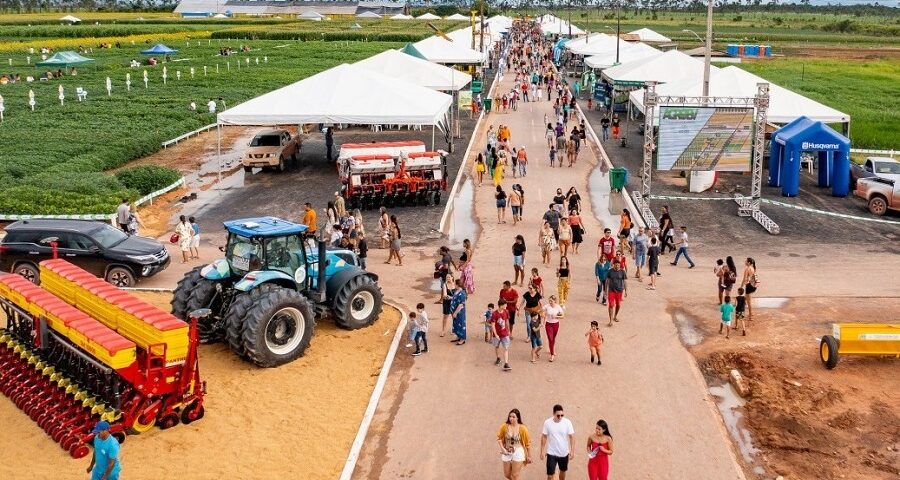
[872, 339]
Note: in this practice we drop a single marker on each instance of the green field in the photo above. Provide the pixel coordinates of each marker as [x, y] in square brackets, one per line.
[52, 160]
[866, 90]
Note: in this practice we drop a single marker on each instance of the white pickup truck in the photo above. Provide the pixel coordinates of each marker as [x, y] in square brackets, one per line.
[880, 194]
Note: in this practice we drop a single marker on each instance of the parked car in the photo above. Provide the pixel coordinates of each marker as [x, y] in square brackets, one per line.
[97, 247]
[882, 167]
[271, 149]
[880, 194]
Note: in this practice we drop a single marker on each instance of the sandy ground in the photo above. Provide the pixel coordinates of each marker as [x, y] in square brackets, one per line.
[441, 410]
[806, 421]
[295, 421]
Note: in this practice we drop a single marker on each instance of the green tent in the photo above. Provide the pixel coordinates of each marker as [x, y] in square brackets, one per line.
[409, 49]
[64, 60]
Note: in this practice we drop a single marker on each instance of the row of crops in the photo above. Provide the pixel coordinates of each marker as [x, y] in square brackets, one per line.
[55, 160]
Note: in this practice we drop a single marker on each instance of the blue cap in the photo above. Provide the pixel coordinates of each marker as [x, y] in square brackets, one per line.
[101, 426]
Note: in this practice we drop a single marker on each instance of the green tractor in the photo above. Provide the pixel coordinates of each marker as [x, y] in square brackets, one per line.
[273, 283]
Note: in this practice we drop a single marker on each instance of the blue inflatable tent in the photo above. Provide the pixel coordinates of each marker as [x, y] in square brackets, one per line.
[805, 135]
[159, 49]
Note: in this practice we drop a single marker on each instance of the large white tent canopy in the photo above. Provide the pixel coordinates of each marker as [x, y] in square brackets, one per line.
[428, 16]
[401, 16]
[464, 36]
[415, 70]
[551, 24]
[499, 23]
[598, 45]
[671, 66]
[785, 106]
[647, 35]
[581, 42]
[368, 15]
[439, 50]
[457, 17]
[344, 94]
[70, 19]
[628, 52]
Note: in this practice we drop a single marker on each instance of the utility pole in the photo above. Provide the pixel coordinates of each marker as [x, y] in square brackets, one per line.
[707, 55]
[570, 18]
[481, 30]
[618, 31]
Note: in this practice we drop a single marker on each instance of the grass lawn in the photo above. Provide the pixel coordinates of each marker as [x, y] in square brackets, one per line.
[866, 90]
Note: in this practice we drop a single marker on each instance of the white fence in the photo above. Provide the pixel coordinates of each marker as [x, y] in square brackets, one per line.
[889, 153]
[188, 135]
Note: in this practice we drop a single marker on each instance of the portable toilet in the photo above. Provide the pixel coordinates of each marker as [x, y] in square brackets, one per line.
[731, 50]
[768, 51]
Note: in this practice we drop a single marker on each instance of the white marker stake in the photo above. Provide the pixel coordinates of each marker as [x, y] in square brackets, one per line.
[165, 74]
[2, 108]
[204, 70]
[62, 95]
[108, 86]
[31, 101]
[228, 66]
[192, 72]
[145, 79]
[178, 74]
[28, 60]
[128, 81]
[266, 59]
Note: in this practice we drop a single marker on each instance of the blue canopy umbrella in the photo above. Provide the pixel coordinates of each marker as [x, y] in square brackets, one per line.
[159, 49]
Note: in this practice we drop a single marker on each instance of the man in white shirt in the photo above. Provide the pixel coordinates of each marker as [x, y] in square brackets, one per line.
[211, 106]
[683, 248]
[557, 443]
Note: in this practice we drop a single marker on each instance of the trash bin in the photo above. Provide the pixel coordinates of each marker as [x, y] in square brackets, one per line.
[487, 105]
[618, 177]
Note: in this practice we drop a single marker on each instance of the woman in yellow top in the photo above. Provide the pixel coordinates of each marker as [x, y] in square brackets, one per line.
[479, 168]
[515, 445]
[498, 169]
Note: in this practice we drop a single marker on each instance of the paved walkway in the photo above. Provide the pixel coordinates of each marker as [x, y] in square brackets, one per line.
[443, 409]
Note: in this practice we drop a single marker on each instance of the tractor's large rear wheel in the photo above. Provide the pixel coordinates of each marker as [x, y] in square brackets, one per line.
[278, 327]
[183, 291]
[358, 303]
[236, 317]
[205, 295]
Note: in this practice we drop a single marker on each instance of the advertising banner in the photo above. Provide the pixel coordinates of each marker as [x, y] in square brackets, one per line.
[705, 138]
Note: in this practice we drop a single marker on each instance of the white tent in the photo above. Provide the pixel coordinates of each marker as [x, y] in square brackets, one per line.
[70, 19]
[311, 15]
[220, 15]
[412, 69]
[785, 106]
[597, 45]
[438, 50]
[343, 94]
[428, 16]
[671, 66]
[647, 35]
[463, 36]
[628, 52]
[401, 16]
[555, 25]
[581, 42]
[457, 17]
[499, 23]
[368, 15]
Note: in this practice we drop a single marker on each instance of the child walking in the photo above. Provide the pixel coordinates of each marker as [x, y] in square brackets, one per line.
[488, 314]
[727, 310]
[741, 305]
[420, 318]
[552, 155]
[595, 341]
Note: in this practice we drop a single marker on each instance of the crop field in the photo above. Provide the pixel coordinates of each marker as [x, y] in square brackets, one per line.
[866, 90]
[52, 160]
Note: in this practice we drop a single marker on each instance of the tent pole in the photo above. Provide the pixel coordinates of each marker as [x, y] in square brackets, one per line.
[432, 138]
[219, 151]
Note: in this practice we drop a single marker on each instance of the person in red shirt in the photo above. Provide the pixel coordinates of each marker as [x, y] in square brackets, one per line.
[620, 259]
[537, 281]
[501, 329]
[510, 296]
[606, 248]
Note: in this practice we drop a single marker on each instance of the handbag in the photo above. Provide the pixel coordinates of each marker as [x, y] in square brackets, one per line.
[174, 238]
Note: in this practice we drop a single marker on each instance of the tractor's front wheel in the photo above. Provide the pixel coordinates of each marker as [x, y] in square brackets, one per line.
[183, 292]
[278, 327]
[358, 303]
[205, 295]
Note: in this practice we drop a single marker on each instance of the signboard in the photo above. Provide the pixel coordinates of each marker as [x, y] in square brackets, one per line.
[705, 138]
[476, 86]
[465, 99]
[628, 83]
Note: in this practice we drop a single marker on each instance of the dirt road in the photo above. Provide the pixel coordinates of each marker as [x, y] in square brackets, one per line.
[443, 409]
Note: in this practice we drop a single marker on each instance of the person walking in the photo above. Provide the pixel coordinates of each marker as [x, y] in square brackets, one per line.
[606, 246]
[329, 143]
[420, 339]
[666, 231]
[551, 217]
[479, 168]
[395, 237]
[384, 227]
[331, 217]
[553, 312]
[550, 135]
[595, 341]
[729, 277]
[339, 205]
[641, 244]
[625, 225]
[458, 309]
[563, 273]
[518, 251]
[105, 463]
[599, 448]
[557, 443]
[309, 218]
[615, 126]
[565, 236]
[616, 290]
[122, 213]
[601, 270]
[750, 283]
[510, 296]
[546, 241]
[195, 238]
[134, 221]
[522, 158]
[683, 248]
[653, 263]
[727, 311]
[604, 127]
[515, 445]
[531, 306]
[500, 334]
[515, 204]
[500, 201]
[573, 200]
[577, 230]
[185, 233]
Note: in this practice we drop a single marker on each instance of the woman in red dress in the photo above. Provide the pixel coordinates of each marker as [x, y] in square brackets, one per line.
[599, 447]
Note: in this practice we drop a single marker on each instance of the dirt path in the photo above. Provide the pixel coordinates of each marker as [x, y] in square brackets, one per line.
[441, 416]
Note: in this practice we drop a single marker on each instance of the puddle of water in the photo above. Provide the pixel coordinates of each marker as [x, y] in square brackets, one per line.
[728, 401]
[770, 302]
[687, 332]
[462, 217]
